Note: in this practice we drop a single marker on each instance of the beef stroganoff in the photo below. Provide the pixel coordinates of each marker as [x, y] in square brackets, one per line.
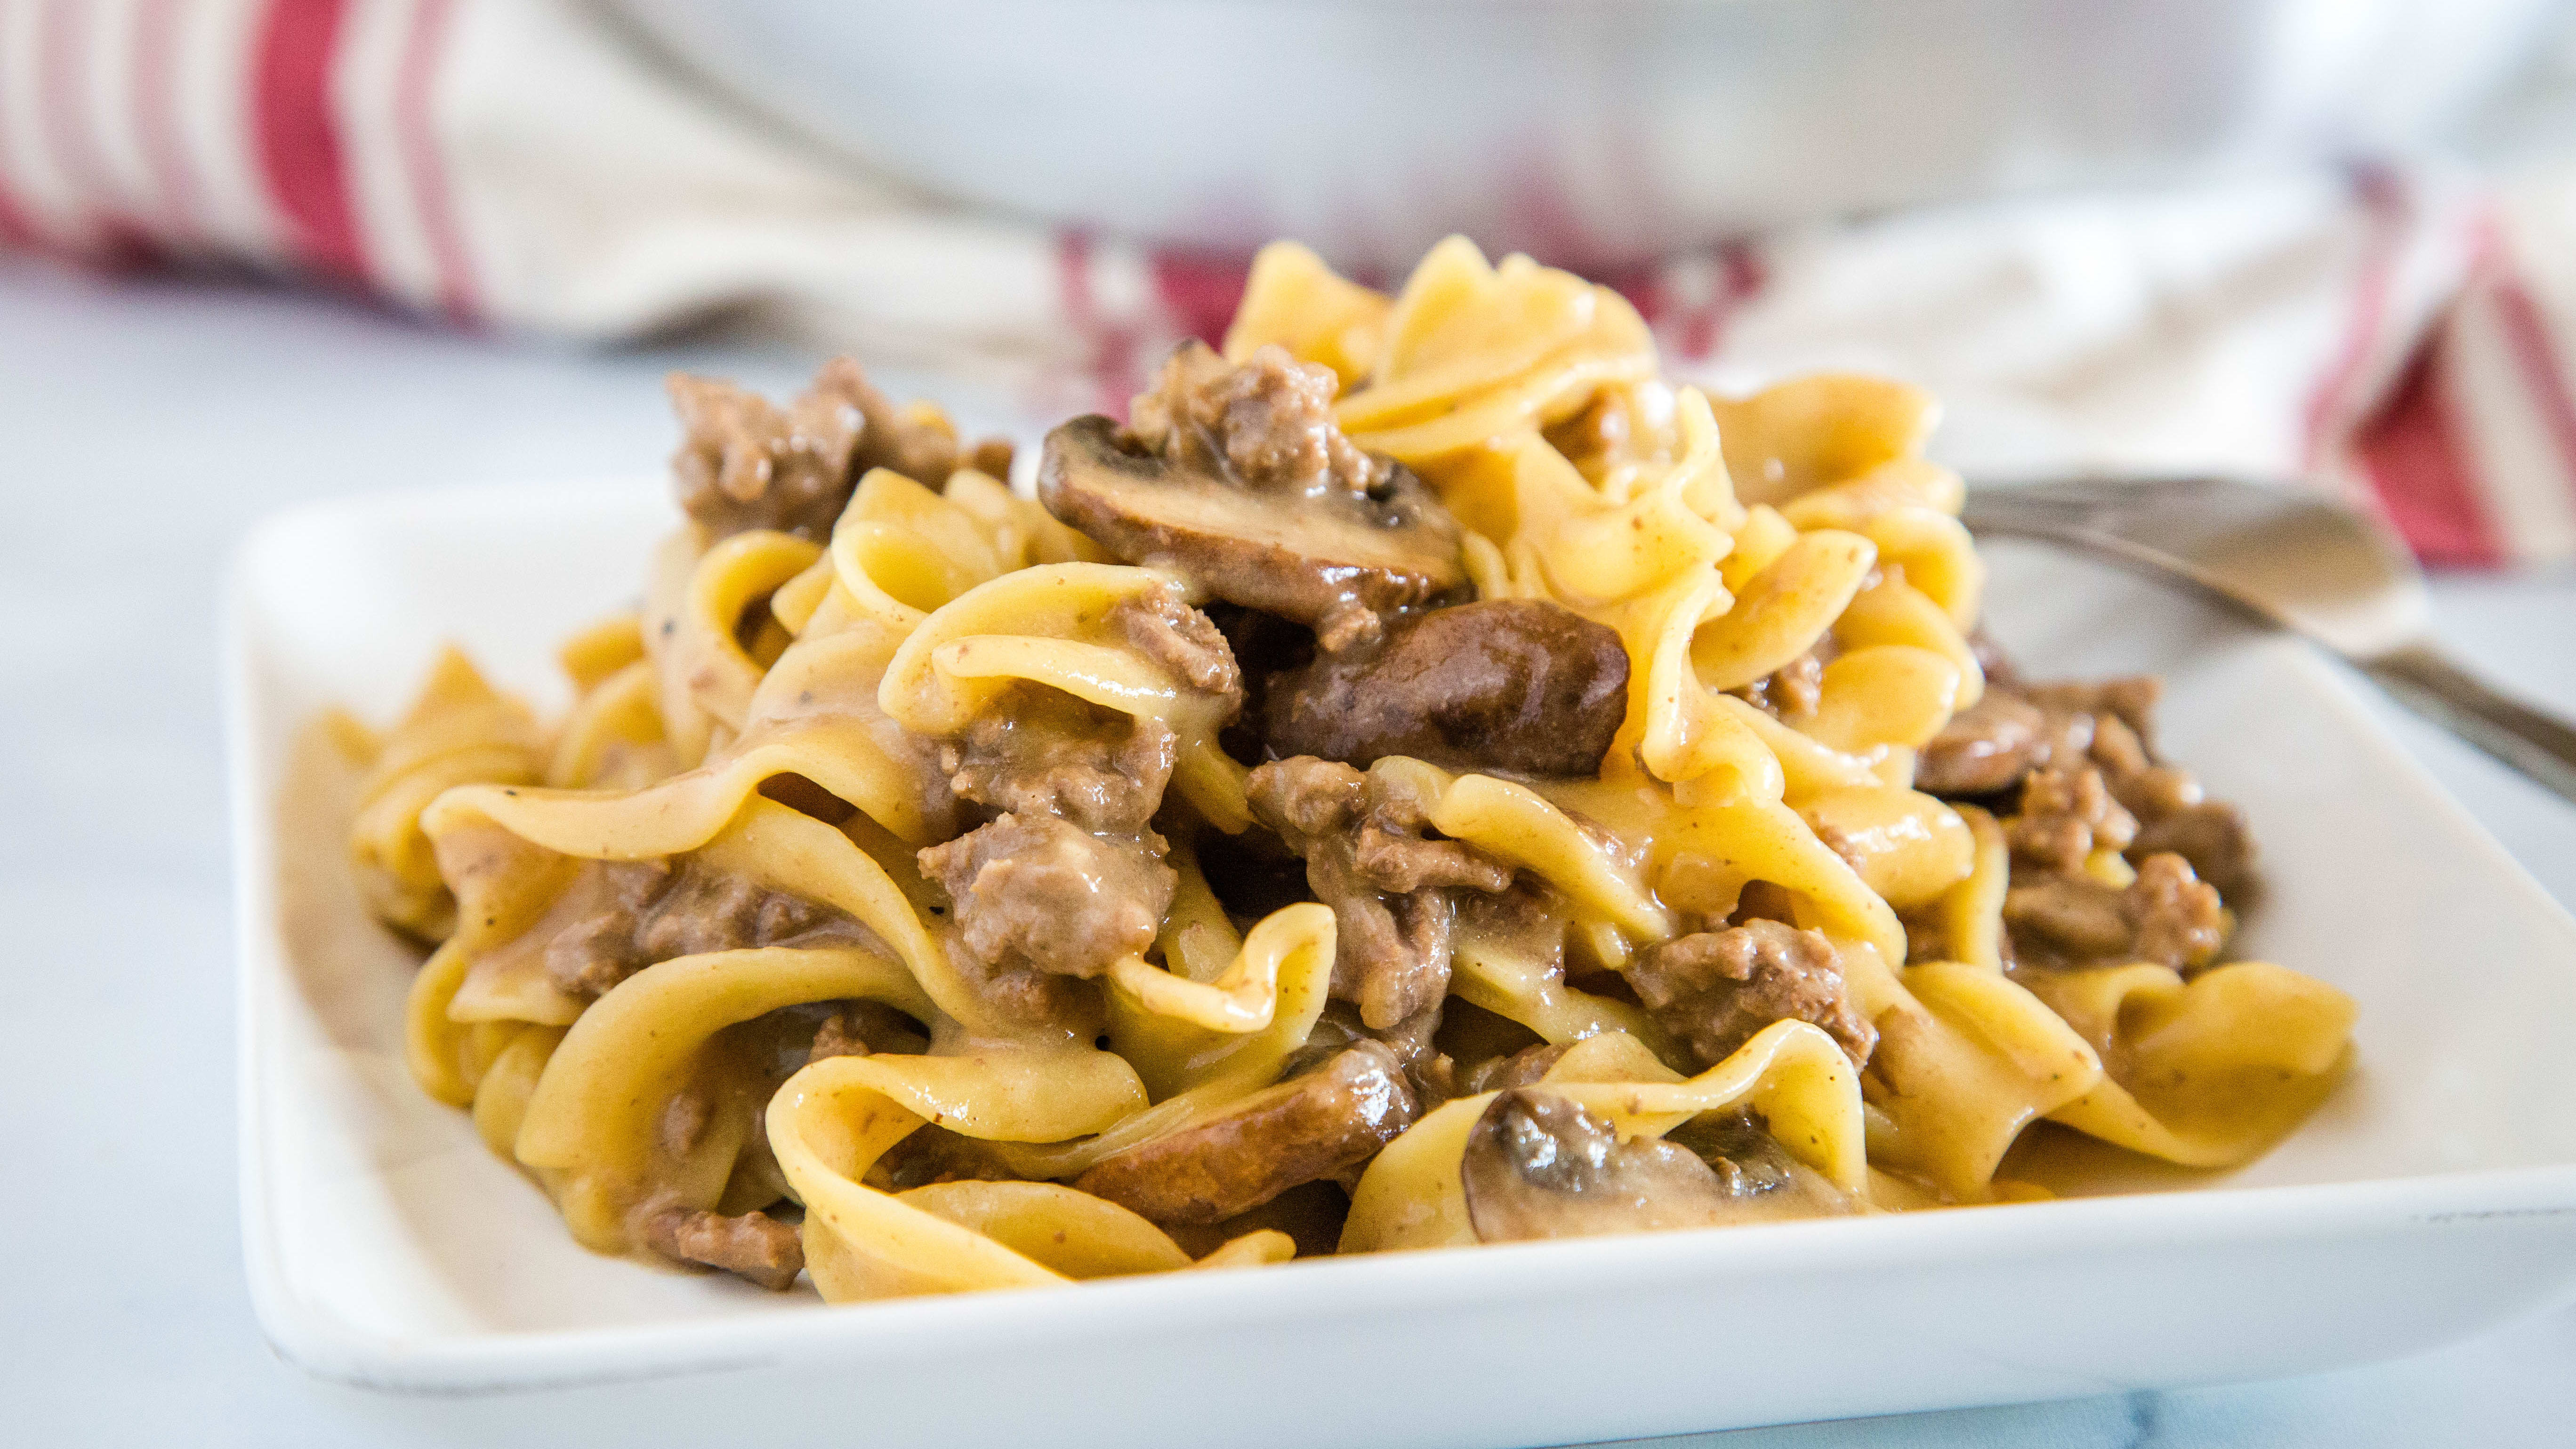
[1422, 780]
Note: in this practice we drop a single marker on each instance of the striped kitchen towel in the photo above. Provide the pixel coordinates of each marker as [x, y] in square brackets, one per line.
[2404, 336]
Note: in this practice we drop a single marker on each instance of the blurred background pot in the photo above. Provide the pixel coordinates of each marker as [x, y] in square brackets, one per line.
[1594, 130]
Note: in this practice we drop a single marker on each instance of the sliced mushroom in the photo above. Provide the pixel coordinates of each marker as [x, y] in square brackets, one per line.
[1757, 1172]
[1505, 684]
[1305, 1128]
[1222, 511]
[1539, 1165]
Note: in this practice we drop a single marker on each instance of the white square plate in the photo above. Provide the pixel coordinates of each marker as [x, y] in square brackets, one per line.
[2434, 1195]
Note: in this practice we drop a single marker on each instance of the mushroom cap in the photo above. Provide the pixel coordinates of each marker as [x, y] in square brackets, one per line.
[1334, 563]
[1539, 1165]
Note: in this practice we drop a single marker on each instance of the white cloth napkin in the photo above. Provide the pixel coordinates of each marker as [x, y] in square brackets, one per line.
[2403, 337]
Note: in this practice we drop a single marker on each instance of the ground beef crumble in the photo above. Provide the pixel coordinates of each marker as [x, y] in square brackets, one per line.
[1162, 626]
[752, 1245]
[745, 463]
[2067, 813]
[1068, 877]
[1040, 891]
[2167, 915]
[2072, 769]
[1371, 856]
[1267, 420]
[1713, 990]
[658, 910]
[1046, 753]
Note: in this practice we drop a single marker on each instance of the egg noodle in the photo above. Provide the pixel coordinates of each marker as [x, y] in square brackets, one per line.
[707, 968]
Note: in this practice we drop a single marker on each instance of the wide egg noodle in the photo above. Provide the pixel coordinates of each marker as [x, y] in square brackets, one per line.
[2204, 1073]
[1293, 301]
[1965, 922]
[613, 738]
[1203, 993]
[1474, 354]
[459, 730]
[1966, 1059]
[1820, 430]
[695, 603]
[508, 1083]
[592, 1125]
[900, 551]
[1609, 910]
[814, 714]
[1901, 482]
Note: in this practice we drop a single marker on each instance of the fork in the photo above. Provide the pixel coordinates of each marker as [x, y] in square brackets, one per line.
[2292, 558]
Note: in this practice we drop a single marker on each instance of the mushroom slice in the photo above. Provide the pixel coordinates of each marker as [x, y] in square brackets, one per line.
[1540, 1165]
[1308, 1127]
[1335, 561]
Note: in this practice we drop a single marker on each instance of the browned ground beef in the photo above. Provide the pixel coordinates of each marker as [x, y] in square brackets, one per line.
[1039, 891]
[1268, 421]
[1713, 990]
[1312, 1126]
[1505, 684]
[1069, 878]
[656, 911]
[750, 1245]
[746, 463]
[838, 1036]
[2167, 915]
[2179, 920]
[2083, 758]
[1046, 753]
[1369, 856]
[1161, 624]
[2067, 813]
[684, 1120]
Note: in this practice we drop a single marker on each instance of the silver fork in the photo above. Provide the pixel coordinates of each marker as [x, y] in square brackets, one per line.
[2303, 562]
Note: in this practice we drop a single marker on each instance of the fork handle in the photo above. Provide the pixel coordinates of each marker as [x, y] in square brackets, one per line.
[2535, 742]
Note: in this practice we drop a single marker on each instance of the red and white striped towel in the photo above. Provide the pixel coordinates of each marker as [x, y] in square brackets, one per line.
[509, 163]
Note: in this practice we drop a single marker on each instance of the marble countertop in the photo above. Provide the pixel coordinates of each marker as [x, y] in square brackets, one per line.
[144, 424]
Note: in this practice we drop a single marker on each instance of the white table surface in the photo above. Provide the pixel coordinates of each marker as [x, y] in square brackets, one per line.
[143, 425]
